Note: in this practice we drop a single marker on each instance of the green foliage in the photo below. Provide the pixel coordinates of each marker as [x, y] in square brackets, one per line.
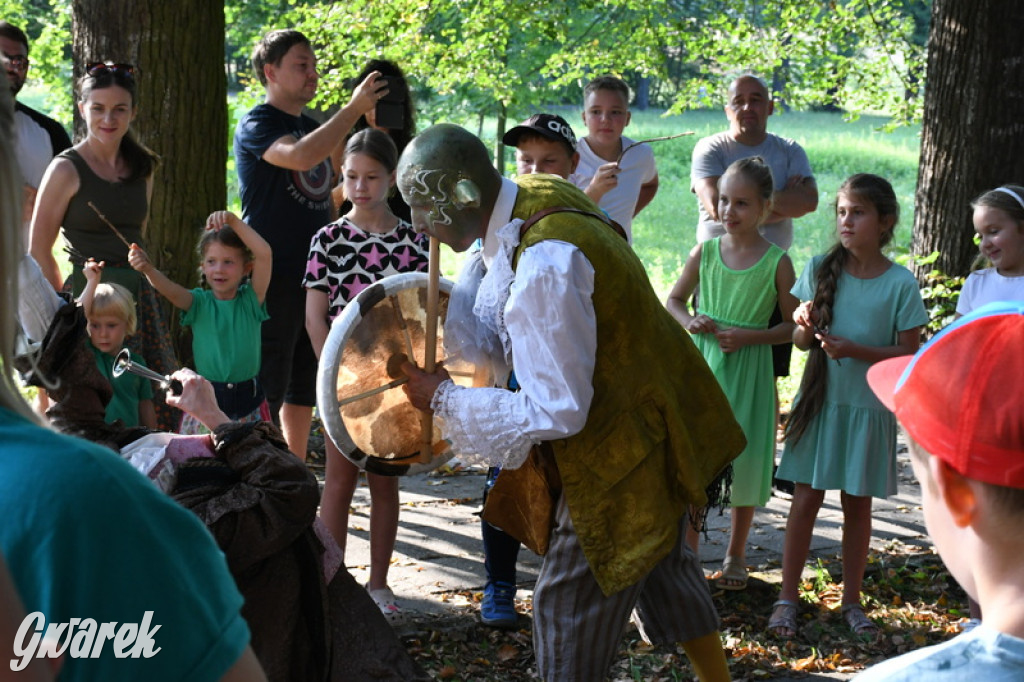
[48, 26]
[858, 54]
[940, 292]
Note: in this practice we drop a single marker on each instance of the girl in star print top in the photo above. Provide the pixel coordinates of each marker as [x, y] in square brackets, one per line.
[346, 256]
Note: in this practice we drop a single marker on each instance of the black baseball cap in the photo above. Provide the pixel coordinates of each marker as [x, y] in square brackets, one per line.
[551, 126]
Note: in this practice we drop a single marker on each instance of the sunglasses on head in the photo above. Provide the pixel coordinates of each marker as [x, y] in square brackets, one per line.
[102, 68]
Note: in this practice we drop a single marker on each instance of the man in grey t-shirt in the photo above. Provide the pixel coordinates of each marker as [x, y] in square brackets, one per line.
[796, 193]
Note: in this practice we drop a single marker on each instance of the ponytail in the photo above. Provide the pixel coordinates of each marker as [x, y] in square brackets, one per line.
[140, 159]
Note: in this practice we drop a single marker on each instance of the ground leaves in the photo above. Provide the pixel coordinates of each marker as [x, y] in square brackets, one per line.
[907, 591]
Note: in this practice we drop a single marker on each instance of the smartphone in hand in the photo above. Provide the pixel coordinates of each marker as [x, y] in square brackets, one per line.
[390, 111]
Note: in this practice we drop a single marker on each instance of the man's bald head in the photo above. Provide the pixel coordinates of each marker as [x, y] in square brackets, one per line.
[748, 109]
[748, 80]
[446, 177]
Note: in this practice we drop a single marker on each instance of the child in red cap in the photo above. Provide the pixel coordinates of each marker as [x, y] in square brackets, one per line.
[959, 404]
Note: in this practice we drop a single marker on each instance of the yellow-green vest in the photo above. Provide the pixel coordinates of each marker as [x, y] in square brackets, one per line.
[659, 427]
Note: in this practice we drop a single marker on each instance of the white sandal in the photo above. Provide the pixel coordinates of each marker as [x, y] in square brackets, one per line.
[384, 598]
[733, 576]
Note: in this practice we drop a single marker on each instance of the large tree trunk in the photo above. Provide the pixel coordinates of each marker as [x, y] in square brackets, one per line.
[178, 48]
[972, 132]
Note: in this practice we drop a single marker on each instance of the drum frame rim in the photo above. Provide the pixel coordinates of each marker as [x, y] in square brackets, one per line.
[330, 363]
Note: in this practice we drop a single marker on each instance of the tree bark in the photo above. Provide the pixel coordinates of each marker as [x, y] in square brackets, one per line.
[178, 50]
[970, 138]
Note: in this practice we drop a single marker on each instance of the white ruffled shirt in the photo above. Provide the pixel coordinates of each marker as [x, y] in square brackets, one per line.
[541, 316]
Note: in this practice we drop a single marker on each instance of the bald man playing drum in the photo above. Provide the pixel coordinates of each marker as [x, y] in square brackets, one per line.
[612, 391]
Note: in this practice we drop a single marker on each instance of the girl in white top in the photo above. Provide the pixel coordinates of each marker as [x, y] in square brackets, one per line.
[999, 222]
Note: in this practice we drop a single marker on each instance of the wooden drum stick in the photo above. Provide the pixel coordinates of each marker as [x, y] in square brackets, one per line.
[430, 343]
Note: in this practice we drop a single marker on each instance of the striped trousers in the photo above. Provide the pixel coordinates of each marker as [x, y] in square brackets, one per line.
[577, 628]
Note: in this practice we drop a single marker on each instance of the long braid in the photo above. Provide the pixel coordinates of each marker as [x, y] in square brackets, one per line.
[877, 191]
[814, 383]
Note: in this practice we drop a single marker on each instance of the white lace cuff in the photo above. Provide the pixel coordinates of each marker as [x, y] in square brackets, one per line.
[481, 426]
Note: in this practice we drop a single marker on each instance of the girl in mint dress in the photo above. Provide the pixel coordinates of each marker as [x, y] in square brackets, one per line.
[741, 276]
[858, 308]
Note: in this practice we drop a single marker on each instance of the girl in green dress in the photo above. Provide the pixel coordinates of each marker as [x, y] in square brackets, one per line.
[741, 277]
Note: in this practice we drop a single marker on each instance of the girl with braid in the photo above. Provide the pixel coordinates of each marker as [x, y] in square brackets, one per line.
[858, 308]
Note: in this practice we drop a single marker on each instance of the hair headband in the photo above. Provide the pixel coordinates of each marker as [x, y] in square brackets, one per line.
[1013, 194]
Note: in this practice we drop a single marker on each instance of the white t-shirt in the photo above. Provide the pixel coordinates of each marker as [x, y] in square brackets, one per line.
[988, 286]
[35, 146]
[638, 169]
[712, 156]
[33, 149]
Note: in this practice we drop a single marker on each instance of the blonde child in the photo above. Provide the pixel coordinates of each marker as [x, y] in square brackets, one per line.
[999, 222]
[110, 314]
[741, 276]
[363, 246]
[858, 308]
[226, 317]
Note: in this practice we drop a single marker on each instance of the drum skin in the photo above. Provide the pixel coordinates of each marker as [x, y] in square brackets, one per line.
[365, 347]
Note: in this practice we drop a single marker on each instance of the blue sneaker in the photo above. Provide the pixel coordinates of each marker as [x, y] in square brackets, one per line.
[498, 606]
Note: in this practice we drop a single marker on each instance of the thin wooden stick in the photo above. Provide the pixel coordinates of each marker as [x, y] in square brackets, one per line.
[430, 343]
[652, 139]
[388, 386]
[373, 391]
[400, 318]
[110, 225]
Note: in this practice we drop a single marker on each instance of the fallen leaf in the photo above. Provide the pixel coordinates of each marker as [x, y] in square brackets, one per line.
[805, 663]
[506, 652]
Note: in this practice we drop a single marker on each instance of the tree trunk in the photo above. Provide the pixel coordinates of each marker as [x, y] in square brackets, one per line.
[178, 50]
[970, 139]
[643, 93]
[499, 132]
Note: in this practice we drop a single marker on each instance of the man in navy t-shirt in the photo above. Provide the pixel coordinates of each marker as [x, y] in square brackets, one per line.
[286, 163]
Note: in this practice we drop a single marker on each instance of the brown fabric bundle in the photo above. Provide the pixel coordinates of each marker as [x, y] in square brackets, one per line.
[522, 501]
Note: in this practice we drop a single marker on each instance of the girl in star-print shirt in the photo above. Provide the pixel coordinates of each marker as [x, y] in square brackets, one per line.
[346, 256]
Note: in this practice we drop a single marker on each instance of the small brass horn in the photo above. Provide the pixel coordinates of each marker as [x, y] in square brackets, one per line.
[123, 363]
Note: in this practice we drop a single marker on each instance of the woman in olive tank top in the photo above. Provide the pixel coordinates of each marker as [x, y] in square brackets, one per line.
[110, 173]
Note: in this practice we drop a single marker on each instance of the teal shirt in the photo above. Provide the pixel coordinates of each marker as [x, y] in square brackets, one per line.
[226, 334]
[129, 389]
[86, 536]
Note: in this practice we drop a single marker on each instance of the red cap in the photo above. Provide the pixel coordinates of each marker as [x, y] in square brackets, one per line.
[961, 396]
